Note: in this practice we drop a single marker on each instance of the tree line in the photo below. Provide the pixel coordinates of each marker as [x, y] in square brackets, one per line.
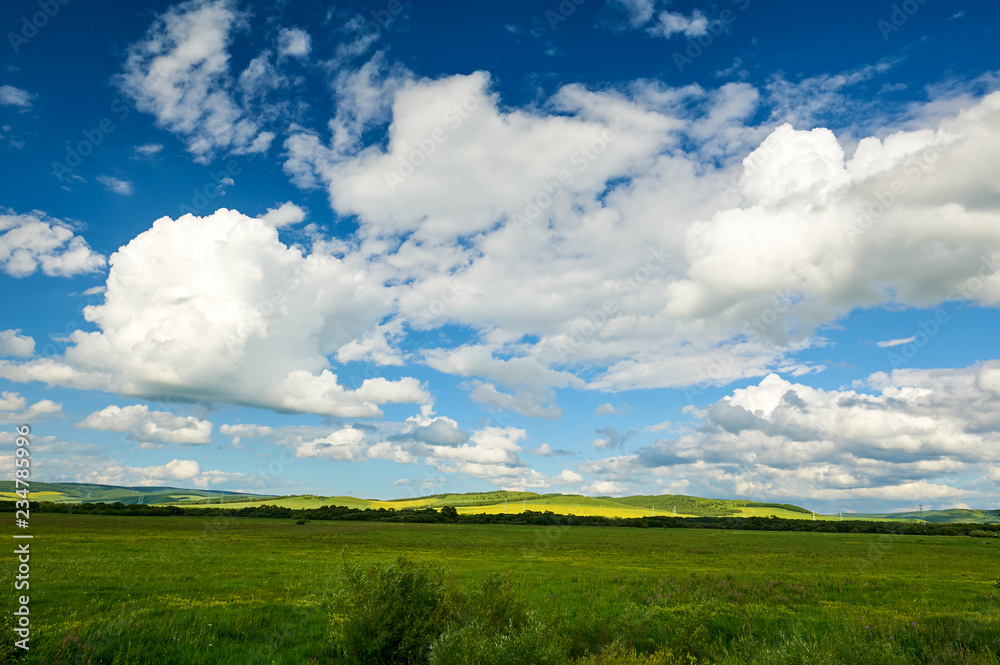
[448, 514]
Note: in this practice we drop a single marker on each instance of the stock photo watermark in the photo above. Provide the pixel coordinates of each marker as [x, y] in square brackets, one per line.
[914, 168]
[22, 550]
[32, 23]
[899, 16]
[78, 150]
[425, 147]
[581, 158]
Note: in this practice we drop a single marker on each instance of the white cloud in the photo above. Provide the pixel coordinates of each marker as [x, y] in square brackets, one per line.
[183, 472]
[11, 96]
[123, 187]
[219, 309]
[173, 470]
[284, 215]
[294, 42]
[13, 343]
[894, 342]
[605, 410]
[345, 445]
[605, 488]
[489, 453]
[180, 74]
[148, 149]
[11, 401]
[567, 477]
[919, 436]
[663, 23]
[681, 274]
[33, 241]
[149, 426]
[669, 24]
[12, 408]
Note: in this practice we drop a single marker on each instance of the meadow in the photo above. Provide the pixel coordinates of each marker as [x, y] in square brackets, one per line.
[130, 590]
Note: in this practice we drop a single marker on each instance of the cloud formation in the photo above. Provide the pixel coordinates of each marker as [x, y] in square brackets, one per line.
[908, 435]
[219, 309]
[180, 74]
[33, 241]
[147, 426]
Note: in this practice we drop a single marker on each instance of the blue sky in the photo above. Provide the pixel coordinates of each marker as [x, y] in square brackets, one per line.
[608, 247]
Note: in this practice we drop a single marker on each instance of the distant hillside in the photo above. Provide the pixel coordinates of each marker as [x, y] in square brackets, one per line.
[80, 493]
[483, 502]
[952, 516]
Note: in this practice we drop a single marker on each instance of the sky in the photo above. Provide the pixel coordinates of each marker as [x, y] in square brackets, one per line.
[610, 247]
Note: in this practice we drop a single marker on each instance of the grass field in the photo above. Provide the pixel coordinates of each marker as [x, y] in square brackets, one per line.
[188, 590]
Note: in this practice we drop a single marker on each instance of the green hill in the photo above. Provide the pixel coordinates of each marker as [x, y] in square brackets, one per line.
[951, 516]
[82, 492]
[481, 502]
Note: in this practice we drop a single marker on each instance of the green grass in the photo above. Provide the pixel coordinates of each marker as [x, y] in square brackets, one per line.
[191, 590]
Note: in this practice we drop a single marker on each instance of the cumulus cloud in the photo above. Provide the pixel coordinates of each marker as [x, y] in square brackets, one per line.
[14, 408]
[284, 215]
[175, 472]
[913, 434]
[567, 477]
[148, 426]
[13, 343]
[680, 239]
[753, 258]
[490, 454]
[219, 309]
[34, 241]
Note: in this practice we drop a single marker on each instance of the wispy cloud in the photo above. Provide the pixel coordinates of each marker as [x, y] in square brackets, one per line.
[123, 187]
[895, 342]
[11, 96]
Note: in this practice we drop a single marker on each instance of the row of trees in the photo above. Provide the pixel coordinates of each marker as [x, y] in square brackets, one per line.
[449, 514]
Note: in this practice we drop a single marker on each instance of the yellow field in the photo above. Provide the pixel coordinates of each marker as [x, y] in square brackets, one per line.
[399, 505]
[592, 510]
[781, 512]
[35, 496]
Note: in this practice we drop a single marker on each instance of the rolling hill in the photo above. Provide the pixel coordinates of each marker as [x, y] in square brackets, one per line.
[482, 502]
[80, 493]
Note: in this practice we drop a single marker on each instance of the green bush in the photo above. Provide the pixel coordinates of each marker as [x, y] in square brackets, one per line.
[391, 613]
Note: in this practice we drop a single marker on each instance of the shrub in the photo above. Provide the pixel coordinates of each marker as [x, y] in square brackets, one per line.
[391, 613]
